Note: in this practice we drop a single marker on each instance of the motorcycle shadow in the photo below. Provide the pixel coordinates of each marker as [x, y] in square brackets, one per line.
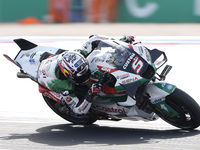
[69, 134]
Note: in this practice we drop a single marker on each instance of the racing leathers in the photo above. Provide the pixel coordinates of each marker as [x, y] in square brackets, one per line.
[55, 85]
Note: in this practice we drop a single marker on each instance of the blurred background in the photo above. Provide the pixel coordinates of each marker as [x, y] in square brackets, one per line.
[100, 11]
[111, 17]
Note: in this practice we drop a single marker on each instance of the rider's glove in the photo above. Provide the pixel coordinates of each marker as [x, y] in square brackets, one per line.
[128, 39]
[95, 89]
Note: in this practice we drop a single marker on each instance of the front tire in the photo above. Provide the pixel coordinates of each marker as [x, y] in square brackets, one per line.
[187, 108]
[82, 120]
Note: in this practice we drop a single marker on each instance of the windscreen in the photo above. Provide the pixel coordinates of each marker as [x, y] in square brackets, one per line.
[120, 53]
[124, 58]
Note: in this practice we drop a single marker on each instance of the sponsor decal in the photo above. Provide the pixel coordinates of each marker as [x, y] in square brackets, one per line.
[113, 110]
[43, 72]
[55, 96]
[48, 67]
[129, 80]
[123, 76]
[140, 50]
[78, 63]
[22, 56]
[32, 55]
[128, 61]
[83, 106]
[169, 87]
[99, 59]
[158, 101]
[45, 67]
[68, 99]
[32, 61]
[164, 85]
[137, 65]
[27, 55]
[147, 55]
[106, 69]
[163, 107]
[92, 60]
[72, 104]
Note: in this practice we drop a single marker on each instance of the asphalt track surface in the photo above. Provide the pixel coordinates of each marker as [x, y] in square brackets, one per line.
[26, 122]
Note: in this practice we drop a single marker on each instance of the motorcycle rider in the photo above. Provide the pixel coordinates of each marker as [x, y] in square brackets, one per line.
[60, 73]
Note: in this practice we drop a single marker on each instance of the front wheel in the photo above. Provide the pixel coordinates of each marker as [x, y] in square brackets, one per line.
[188, 110]
[83, 120]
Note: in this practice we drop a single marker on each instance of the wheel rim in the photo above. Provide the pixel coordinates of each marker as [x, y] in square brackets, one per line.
[185, 118]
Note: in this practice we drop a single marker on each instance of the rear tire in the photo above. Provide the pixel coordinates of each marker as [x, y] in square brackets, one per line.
[82, 120]
[186, 106]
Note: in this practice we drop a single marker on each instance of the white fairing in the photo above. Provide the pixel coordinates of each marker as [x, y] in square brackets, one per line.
[132, 113]
[29, 59]
[155, 92]
[129, 102]
[102, 60]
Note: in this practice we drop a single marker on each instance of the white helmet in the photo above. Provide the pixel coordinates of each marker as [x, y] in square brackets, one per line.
[75, 67]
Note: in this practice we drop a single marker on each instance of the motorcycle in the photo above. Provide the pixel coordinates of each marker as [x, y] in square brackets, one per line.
[132, 88]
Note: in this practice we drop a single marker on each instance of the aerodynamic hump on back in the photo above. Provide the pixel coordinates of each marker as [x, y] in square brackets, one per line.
[24, 44]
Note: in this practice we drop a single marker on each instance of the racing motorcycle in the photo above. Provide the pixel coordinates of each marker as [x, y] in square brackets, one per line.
[131, 89]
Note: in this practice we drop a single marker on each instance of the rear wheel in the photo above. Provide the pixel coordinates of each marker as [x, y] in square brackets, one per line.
[188, 110]
[56, 107]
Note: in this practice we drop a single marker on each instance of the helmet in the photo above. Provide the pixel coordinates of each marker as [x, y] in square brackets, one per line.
[75, 68]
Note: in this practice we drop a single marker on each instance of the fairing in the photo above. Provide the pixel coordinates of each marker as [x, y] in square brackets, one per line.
[29, 56]
[127, 63]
